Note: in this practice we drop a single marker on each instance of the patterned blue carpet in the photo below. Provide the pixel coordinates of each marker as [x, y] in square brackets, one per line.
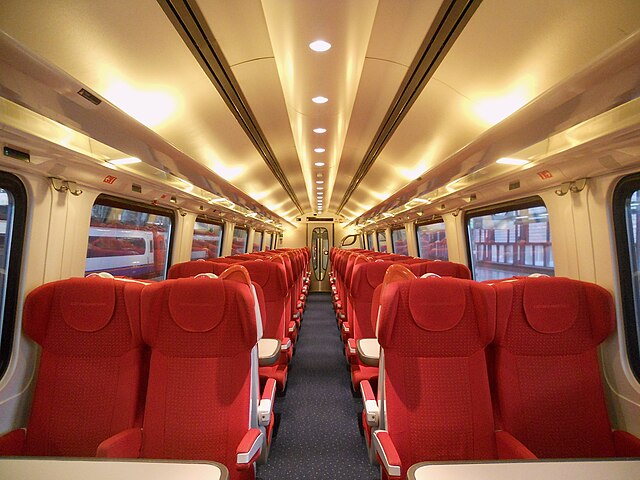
[318, 436]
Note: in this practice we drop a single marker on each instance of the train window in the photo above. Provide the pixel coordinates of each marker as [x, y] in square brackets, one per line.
[512, 239]
[239, 244]
[382, 241]
[370, 240]
[129, 239]
[399, 241]
[257, 241]
[626, 213]
[267, 241]
[432, 241]
[13, 217]
[207, 239]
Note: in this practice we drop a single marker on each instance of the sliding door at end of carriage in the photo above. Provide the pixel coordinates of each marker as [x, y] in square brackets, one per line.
[320, 241]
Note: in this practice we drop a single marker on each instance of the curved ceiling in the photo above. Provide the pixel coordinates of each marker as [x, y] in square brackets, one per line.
[230, 84]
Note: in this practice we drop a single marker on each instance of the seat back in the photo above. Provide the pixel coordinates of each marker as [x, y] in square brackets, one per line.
[196, 267]
[202, 333]
[442, 268]
[92, 370]
[365, 278]
[547, 376]
[433, 333]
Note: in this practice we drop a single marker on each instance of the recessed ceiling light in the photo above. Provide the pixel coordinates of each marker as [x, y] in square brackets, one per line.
[512, 161]
[318, 150]
[319, 164]
[319, 46]
[320, 99]
[319, 188]
[124, 161]
[320, 130]
[319, 181]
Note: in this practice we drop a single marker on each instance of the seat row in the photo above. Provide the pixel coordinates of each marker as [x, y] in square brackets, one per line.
[497, 370]
[152, 370]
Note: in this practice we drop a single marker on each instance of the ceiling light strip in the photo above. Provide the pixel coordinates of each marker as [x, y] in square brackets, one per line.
[194, 31]
[447, 26]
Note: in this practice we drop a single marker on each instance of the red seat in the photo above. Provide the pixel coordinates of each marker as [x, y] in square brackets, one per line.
[203, 335]
[547, 374]
[92, 369]
[434, 382]
[196, 267]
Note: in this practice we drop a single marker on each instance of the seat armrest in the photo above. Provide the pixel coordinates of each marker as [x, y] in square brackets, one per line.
[12, 443]
[510, 448]
[371, 407]
[346, 328]
[626, 445]
[285, 344]
[292, 326]
[126, 444]
[249, 448]
[351, 345]
[265, 407]
[387, 453]
[368, 351]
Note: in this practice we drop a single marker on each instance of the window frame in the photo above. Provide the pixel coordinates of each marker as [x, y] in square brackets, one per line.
[519, 204]
[386, 242]
[393, 243]
[624, 189]
[209, 221]
[246, 243]
[255, 232]
[431, 221]
[126, 204]
[369, 236]
[14, 185]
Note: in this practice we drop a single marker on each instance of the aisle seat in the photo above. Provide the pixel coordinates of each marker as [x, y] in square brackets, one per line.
[92, 371]
[547, 374]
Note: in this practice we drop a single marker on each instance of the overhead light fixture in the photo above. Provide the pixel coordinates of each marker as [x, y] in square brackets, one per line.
[319, 164]
[318, 150]
[319, 182]
[319, 130]
[125, 161]
[320, 99]
[319, 46]
[511, 161]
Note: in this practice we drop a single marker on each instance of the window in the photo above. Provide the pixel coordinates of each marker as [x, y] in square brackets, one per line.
[129, 239]
[626, 213]
[13, 218]
[257, 241]
[382, 241]
[432, 241]
[267, 241]
[239, 244]
[370, 240]
[207, 239]
[508, 240]
[399, 241]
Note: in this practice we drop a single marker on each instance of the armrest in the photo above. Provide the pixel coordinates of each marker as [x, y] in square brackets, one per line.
[388, 454]
[268, 351]
[292, 326]
[346, 328]
[12, 443]
[265, 407]
[509, 447]
[351, 345]
[371, 407]
[626, 445]
[249, 448]
[285, 344]
[368, 351]
[126, 444]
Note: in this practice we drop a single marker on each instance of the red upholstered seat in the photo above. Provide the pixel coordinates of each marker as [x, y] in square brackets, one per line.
[433, 333]
[92, 369]
[196, 267]
[202, 333]
[547, 376]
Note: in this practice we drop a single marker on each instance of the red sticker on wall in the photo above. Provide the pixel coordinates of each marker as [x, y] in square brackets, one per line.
[110, 179]
[545, 175]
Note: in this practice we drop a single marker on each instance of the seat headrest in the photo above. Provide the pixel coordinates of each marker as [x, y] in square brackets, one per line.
[88, 305]
[551, 305]
[197, 309]
[442, 309]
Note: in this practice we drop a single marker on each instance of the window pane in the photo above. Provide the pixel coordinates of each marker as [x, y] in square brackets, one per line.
[370, 241]
[128, 242]
[516, 242]
[207, 240]
[382, 242]
[267, 241]
[239, 244]
[257, 241]
[432, 241]
[399, 239]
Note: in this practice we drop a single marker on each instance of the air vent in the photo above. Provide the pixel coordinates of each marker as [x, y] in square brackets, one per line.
[17, 154]
[514, 185]
[319, 219]
[89, 96]
[136, 188]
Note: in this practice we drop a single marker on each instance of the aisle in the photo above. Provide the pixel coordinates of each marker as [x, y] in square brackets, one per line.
[318, 436]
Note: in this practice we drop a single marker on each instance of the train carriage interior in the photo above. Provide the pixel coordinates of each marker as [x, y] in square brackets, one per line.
[359, 239]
